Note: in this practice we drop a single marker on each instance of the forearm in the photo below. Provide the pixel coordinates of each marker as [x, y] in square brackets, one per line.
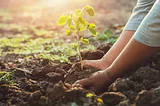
[116, 49]
[133, 53]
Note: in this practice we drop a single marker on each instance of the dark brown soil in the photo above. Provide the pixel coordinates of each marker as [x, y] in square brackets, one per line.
[50, 83]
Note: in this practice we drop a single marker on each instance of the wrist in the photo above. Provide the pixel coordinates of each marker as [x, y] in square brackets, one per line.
[109, 75]
[105, 63]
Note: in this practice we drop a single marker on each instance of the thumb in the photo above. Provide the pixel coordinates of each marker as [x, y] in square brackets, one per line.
[89, 62]
[83, 82]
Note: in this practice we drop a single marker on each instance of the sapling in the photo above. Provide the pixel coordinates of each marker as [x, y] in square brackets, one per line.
[76, 23]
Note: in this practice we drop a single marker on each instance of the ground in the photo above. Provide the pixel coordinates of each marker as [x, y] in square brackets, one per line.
[38, 62]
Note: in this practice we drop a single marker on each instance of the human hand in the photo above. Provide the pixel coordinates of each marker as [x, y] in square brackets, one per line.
[98, 82]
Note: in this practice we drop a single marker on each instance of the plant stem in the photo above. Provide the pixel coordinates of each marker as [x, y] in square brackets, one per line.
[78, 50]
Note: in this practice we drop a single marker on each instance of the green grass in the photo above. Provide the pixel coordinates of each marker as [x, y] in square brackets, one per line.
[7, 76]
[53, 49]
[107, 36]
[44, 47]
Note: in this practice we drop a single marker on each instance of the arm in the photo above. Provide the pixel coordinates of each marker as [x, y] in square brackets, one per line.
[144, 44]
[134, 53]
[111, 55]
[139, 12]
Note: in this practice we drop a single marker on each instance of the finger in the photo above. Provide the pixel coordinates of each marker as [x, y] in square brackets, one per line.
[84, 82]
[77, 85]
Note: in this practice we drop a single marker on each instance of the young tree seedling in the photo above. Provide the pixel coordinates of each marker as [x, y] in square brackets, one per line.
[76, 23]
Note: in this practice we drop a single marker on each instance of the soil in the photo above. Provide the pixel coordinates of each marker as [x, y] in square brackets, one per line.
[50, 83]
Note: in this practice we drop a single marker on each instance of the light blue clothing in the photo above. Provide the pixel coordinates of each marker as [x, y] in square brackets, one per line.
[146, 21]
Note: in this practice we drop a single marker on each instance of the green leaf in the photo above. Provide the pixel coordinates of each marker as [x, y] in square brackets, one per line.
[82, 21]
[62, 20]
[85, 41]
[2, 73]
[82, 29]
[92, 29]
[68, 32]
[72, 27]
[78, 12]
[90, 10]
[74, 46]
[90, 95]
[93, 32]
[77, 23]
[92, 26]
[86, 7]
[69, 21]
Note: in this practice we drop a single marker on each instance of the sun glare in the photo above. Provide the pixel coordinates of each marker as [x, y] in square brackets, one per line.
[56, 3]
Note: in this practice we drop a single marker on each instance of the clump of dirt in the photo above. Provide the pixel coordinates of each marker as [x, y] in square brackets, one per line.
[92, 55]
[148, 98]
[112, 98]
[105, 47]
[96, 54]
[144, 78]
[66, 92]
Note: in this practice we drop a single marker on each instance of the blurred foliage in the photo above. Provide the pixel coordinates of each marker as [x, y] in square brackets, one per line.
[11, 27]
[7, 76]
[21, 32]
[43, 47]
[107, 36]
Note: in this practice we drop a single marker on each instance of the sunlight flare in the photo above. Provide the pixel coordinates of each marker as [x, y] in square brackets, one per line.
[55, 3]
